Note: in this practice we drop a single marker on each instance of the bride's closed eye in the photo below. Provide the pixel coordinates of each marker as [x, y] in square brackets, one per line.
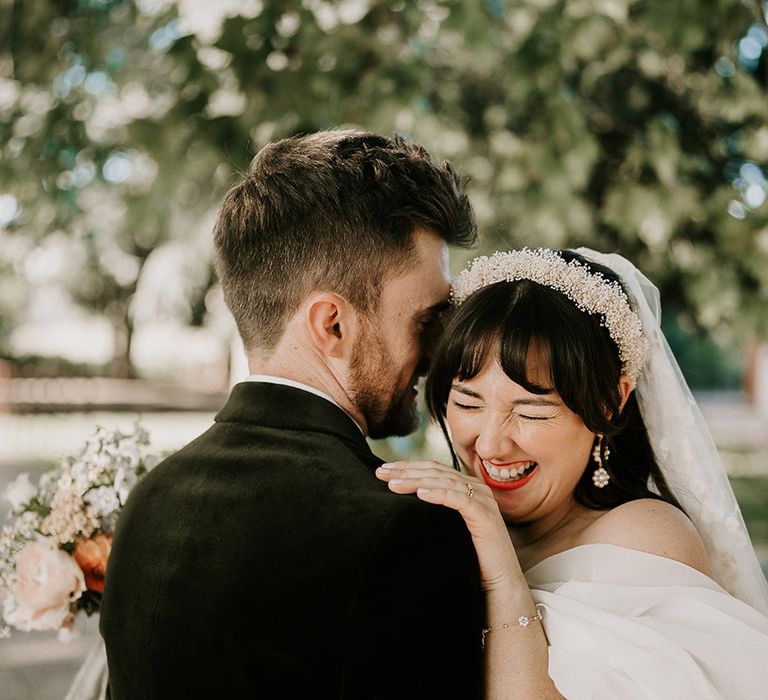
[526, 417]
[465, 406]
[473, 407]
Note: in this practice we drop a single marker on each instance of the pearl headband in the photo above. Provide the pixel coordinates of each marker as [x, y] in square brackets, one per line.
[591, 293]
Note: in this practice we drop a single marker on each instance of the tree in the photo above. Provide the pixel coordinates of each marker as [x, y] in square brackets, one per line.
[629, 125]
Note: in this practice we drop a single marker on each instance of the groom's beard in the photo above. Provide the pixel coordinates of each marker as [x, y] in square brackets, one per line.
[387, 409]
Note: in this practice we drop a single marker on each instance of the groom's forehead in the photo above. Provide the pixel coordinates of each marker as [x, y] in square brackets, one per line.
[426, 279]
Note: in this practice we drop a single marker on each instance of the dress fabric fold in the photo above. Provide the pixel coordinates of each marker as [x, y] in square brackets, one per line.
[624, 623]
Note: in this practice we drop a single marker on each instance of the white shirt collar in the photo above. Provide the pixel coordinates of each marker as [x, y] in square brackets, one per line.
[270, 379]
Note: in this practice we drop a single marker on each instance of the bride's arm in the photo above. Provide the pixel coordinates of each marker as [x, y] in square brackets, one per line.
[516, 657]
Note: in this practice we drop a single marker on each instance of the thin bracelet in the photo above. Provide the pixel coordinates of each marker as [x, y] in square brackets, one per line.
[522, 621]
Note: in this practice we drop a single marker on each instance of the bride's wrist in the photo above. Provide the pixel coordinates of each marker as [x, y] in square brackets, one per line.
[507, 585]
[503, 573]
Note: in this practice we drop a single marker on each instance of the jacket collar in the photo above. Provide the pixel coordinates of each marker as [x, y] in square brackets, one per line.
[280, 406]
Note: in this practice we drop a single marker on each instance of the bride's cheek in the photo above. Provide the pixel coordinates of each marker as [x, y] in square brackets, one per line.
[461, 427]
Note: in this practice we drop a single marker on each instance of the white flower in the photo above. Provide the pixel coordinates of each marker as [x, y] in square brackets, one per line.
[67, 633]
[80, 477]
[9, 605]
[47, 485]
[124, 482]
[151, 461]
[27, 523]
[103, 461]
[104, 500]
[20, 491]
[130, 450]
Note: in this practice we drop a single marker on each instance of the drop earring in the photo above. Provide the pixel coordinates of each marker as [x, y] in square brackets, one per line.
[600, 477]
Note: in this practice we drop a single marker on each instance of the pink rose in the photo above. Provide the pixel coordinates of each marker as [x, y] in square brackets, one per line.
[49, 581]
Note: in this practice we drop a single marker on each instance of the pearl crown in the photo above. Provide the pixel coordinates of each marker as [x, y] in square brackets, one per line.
[591, 292]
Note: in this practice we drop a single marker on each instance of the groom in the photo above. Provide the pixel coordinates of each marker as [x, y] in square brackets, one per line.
[264, 559]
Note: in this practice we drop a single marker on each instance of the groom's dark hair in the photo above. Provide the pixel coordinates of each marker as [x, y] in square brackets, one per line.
[335, 211]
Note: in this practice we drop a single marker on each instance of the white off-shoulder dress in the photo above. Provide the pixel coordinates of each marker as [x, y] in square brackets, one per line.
[627, 624]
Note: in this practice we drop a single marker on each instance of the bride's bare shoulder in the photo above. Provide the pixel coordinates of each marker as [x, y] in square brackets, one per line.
[652, 526]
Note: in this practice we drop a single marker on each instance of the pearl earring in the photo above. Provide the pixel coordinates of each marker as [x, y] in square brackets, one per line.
[600, 477]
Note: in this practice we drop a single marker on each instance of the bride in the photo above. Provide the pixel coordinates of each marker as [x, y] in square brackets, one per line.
[614, 557]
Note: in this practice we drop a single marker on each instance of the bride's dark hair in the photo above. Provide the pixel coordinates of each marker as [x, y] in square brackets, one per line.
[511, 319]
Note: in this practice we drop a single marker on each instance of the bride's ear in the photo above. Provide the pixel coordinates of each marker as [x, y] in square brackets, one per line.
[626, 386]
[332, 324]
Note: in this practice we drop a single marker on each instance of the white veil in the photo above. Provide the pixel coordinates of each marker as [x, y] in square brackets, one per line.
[684, 449]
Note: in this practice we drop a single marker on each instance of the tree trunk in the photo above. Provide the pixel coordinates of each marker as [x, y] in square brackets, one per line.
[121, 366]
[756, 377]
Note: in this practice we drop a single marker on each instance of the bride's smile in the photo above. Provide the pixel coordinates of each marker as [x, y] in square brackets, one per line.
[506, 476]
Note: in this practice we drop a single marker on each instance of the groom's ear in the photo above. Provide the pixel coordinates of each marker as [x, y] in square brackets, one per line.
[332, 324]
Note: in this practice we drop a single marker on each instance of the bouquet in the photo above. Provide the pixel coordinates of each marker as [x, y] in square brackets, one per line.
[54, 550]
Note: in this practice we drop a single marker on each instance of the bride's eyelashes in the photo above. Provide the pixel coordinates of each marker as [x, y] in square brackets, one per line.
[465, 406]
[524, 417]
[470, 407]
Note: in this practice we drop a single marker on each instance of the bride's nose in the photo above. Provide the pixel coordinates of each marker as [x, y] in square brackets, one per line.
[494, 440]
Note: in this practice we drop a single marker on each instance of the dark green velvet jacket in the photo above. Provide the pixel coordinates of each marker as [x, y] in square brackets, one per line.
[265, 560]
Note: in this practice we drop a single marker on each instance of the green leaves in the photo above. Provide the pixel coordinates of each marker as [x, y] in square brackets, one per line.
[616, 123]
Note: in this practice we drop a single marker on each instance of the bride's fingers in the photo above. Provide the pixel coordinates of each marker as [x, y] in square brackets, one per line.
[408, 475]
[411, 484]
[416, 467]
[471, 499]
[451, 498]
[411, 470]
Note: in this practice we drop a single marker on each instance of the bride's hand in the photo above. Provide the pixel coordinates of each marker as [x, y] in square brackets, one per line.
[437, 483]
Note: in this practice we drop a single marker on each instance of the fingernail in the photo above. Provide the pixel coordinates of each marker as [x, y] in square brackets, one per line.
[422, 491]
[395, 482]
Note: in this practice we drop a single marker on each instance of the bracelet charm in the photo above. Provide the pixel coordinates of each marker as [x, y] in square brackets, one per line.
[522, 621]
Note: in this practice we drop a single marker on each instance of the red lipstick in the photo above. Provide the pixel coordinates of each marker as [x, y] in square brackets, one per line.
[504, 485]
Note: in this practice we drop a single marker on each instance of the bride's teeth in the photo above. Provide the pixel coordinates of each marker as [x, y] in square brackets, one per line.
[505, 473]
